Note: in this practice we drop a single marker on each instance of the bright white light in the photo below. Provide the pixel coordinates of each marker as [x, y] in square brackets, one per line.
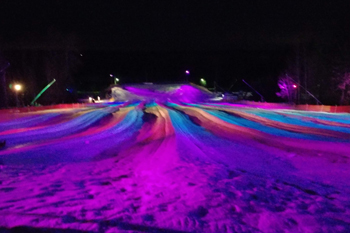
[17, 87]
[117, 79]
[98, 98]
[90, 99]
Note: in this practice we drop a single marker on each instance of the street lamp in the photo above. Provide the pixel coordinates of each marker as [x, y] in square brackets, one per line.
[116, 80]
[203, 82]
[187, 72]
[17, 88]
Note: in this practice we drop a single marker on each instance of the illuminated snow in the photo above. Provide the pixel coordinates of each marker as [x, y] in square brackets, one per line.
[154, 166]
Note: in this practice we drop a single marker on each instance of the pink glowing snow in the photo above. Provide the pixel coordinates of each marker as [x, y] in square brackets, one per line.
[175, 167]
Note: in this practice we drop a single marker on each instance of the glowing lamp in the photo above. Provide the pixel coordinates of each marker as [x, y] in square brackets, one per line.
[17, 87]
[187, 72]
[203, 82]
[294, 86]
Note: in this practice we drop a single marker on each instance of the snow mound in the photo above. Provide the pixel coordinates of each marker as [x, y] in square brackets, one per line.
[161, 92]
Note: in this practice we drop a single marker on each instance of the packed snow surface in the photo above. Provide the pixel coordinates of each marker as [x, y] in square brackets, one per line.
[152, 166]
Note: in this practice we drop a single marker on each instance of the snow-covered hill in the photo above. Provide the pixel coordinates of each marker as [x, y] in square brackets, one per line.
[171, 166]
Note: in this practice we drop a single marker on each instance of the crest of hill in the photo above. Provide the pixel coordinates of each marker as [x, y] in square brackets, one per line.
[161, 92]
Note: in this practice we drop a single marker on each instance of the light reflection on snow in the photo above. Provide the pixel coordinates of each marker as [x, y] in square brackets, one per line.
[163, 166]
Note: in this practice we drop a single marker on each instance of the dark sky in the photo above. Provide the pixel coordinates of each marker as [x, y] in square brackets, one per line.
[141, 41]
[175, 25]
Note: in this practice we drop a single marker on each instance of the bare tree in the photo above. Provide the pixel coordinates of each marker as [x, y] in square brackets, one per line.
[61, 61]
[287, 88]
[37, 60]
[341, 72]
[3, 85]
[344, 86]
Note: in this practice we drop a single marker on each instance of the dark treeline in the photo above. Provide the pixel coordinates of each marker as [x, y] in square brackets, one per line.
[37, 61]
[319, 64]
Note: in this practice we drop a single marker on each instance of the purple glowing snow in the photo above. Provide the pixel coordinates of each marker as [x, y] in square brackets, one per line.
[172, 163]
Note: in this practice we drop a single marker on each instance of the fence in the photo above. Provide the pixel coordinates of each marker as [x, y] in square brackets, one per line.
[305, 107]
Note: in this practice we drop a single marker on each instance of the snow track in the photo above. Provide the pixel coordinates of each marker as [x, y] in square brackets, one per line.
[175, 167]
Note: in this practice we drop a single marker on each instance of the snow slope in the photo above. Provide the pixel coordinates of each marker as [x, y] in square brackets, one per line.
[154, 166]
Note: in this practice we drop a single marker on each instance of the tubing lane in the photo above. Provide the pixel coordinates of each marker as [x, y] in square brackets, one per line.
[300, 124]
[60, 130]
[218, 126]
[101, 144]
[155, 150]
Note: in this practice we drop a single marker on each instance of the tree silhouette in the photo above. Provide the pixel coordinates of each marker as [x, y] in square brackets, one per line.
[288, 88]
[3, 85]
[38, 59]
[344, 86]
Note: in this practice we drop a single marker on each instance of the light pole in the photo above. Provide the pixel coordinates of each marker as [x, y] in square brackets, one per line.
[42, 91]
[187, 72]
[261, 97]
[115, 79]
[17, 88]
[317, 101]
[295, 93]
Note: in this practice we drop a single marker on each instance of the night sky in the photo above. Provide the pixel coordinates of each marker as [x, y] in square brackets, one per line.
[140, 41]
[174, 25]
